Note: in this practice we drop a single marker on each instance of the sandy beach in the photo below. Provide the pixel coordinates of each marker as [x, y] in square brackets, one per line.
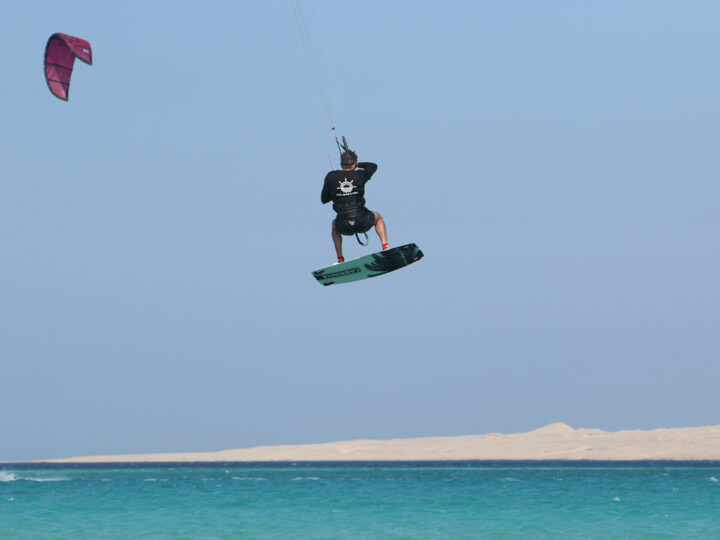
[553, 442]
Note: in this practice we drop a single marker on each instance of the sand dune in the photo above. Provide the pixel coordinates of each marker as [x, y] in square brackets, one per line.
[554, 441]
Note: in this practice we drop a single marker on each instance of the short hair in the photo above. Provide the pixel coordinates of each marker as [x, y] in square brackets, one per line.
[348, 158]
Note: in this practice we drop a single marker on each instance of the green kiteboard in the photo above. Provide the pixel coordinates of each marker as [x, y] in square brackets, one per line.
[369, 266]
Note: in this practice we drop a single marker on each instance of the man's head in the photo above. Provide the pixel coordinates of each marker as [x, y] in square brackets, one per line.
[348, 159]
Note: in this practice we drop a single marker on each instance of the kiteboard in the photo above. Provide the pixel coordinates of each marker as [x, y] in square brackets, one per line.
[369, 266]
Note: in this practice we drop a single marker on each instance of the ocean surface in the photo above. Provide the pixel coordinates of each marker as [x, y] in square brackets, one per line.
[361, 500]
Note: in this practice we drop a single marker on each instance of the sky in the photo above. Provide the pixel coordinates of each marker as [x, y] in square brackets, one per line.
[557, 163]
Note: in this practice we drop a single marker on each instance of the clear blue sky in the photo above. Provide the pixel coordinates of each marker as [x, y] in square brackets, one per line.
[557, 162]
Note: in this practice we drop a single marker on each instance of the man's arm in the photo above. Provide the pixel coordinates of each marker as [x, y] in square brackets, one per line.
[326, 195]
[368, 167]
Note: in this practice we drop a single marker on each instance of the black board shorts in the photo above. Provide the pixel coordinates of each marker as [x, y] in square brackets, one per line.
[363, 223]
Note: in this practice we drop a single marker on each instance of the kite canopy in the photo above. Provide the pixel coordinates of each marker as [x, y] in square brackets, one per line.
[60, 53]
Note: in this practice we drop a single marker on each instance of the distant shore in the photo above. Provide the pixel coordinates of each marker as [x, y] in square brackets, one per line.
[553, 442]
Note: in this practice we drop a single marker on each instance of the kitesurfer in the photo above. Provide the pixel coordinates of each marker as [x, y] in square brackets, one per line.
[346, 188]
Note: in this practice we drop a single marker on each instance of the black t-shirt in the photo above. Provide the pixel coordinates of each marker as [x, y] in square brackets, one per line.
[347, 189]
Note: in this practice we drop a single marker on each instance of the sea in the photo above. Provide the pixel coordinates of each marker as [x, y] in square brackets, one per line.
[361, 500]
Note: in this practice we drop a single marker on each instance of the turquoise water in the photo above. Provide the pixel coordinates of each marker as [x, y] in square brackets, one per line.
[351, 500]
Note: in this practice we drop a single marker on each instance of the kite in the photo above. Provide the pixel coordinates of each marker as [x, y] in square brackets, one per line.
[60, 54]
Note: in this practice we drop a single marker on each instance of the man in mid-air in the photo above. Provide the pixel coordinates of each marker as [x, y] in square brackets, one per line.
[346, 188]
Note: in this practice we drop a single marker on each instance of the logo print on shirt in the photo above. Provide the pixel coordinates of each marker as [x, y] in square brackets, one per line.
[346, 186]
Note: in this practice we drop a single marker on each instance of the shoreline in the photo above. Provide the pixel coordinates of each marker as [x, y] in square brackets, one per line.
[554, 442]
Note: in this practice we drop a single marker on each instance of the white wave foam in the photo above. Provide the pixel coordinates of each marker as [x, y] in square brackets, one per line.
[46, 479]
[713, 479]
[7, 477]
[305, 478]
[11, 477]
[616, 498]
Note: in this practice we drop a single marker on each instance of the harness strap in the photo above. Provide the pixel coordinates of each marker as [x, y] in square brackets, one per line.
[357, 235]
